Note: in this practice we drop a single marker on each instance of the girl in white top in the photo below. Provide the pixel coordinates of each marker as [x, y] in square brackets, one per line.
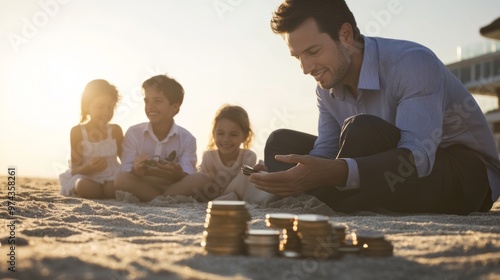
[95, 145]
[224, 158]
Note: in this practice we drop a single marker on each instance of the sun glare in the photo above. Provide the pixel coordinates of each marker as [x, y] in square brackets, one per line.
[47, 91]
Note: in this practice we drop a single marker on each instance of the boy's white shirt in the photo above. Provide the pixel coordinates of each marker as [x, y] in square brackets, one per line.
[141, 140]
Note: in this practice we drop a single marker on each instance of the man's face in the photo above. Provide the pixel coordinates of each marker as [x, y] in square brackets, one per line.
[319, 55]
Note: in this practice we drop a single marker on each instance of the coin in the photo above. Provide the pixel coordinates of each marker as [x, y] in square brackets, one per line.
[317, 237]
[226, 213]
[290, 254]
[262, 237]
[311, 221]
[314, 218]
[289, 241]
[340, 231]
[377, 248]
[373, 244]
[262, 242]
[226, 224]
[226, 204]
[280, 220]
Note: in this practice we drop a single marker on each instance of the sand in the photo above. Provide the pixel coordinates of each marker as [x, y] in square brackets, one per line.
[70, 238]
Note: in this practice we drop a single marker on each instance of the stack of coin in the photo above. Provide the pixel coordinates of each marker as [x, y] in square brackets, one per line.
[374, 244]
[289, 240]
[262, 242]
[226, 224]
[350, 244]
[317, 238]
[340, 231]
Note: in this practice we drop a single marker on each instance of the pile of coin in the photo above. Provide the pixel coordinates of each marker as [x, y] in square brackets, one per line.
[317, 237]
[289, 240]
[226, 224]
[340, 231]
[349, 244]
[307, 235]
[262, 242]
[374, 244]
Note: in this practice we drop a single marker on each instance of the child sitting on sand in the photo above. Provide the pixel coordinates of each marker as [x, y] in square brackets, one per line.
[159, 156]
[95, 145]
[224, 158]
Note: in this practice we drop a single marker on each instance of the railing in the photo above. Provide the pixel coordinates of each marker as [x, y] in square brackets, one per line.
[478, 49]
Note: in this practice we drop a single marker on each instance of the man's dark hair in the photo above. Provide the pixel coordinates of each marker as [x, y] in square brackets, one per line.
[330, 15]
[170, 88]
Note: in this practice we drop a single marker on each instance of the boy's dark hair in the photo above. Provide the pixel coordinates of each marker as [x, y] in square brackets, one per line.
[330, 15]
[170, 88]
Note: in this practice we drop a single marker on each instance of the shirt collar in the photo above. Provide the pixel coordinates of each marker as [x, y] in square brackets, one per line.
[174, 130]
[368, 76]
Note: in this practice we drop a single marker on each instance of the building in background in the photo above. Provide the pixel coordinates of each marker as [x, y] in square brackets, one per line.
[491, 30]
[479, 70]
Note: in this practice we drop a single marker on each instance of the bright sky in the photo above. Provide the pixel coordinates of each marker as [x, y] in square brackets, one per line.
[221, 51]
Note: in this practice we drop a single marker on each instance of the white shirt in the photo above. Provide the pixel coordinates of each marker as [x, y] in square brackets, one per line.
[141, 140]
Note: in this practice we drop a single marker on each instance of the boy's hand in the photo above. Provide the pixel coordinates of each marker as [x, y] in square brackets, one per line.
[96, 164]
[170, 170]
[140, 165]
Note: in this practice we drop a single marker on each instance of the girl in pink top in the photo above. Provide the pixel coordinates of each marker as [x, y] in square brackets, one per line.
[225, 157]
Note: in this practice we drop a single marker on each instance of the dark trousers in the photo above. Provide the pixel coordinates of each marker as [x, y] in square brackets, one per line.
[457, 184]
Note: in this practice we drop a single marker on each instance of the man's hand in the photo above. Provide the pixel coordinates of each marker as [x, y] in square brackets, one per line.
[310, 173]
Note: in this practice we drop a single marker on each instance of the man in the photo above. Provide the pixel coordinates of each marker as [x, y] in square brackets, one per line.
[396, 129]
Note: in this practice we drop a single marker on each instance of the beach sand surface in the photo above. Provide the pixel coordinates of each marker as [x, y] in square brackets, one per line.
[61, 237]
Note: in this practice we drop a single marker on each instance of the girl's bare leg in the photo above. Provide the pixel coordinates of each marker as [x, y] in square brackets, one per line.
[89, 189]
[108, 190]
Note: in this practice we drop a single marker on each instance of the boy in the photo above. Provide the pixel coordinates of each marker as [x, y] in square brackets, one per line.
[159, 157]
